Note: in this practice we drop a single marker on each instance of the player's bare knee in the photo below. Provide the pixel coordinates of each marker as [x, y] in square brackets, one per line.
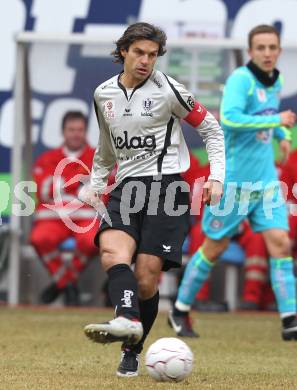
[110, 257]
[147, 283]
[212, 249]
[106, 258]
[278, 243]
[281, 246]
[147, 288]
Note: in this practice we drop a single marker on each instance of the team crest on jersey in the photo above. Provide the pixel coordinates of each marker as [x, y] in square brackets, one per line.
[261, 93]
[147, 105]
[109, 109]
[216, 224]
[264, 136]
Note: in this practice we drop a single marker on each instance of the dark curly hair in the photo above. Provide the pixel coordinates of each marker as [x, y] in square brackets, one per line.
[136, 32]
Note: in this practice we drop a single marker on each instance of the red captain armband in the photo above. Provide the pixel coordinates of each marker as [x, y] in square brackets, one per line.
[196, 116]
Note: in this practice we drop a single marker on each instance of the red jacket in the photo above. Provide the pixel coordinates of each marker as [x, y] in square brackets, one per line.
[53, 173]
[196, 171]
[288, 174]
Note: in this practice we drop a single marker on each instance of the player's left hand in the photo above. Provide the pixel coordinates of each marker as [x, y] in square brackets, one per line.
[285, 150]
[212, 192]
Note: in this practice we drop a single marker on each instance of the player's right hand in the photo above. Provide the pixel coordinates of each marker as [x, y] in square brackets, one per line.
[288, 118]
[87, 195]
[212, 192]
[91, 197]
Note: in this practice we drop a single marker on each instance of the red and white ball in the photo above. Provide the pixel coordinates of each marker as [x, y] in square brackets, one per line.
[169, 360]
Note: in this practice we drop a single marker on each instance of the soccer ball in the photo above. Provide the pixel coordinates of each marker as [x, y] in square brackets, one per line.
[169, 360]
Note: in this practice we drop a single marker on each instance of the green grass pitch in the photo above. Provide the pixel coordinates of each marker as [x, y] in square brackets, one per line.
[46, 349]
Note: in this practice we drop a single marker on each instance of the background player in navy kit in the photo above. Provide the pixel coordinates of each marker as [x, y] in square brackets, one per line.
[139, 114]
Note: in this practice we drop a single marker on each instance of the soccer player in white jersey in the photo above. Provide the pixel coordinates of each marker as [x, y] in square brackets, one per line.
[139, 113]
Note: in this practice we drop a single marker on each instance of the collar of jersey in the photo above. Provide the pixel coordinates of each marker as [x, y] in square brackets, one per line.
[262, 76]
[134, 89]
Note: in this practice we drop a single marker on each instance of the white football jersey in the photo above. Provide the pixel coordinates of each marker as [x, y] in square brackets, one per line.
[140, 130]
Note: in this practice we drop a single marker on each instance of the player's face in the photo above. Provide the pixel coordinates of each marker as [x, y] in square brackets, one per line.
[139, 61]
[265, 51]
[74, 134]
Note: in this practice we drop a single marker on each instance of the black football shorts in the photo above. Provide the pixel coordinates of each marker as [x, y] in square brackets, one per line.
[154, 212]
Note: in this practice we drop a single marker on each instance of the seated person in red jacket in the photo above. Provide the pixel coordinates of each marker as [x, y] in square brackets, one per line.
[59, 214]
[288, 175]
